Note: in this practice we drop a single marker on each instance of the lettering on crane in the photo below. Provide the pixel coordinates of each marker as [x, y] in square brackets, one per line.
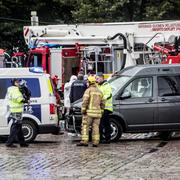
[161, 26]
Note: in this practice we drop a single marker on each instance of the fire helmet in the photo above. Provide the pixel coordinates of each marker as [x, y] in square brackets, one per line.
[92, 79]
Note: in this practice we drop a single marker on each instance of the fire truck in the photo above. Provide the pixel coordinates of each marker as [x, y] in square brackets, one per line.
[170, 52]
[12, 60]
[64, 50]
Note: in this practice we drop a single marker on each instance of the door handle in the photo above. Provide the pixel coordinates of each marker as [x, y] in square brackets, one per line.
[150, 100]
[163, 99]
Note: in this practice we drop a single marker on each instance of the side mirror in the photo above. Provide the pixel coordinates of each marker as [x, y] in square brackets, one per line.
[125, 95]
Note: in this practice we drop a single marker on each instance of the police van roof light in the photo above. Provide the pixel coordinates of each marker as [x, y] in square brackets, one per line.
[36, 69]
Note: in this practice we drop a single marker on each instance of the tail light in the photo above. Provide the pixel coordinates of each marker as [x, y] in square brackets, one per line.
[52, 108]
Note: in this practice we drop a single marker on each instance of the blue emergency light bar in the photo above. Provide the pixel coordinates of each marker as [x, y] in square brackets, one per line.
[36, 69]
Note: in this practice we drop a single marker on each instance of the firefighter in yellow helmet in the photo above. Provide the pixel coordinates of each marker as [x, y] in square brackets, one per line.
[92, 108]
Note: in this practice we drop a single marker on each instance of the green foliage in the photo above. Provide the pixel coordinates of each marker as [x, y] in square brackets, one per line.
[159, 10]
[79, 11]
[126, 10]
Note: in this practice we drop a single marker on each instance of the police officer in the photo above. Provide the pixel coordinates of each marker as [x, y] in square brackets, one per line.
[78, 88]
[92, 108]
[16, 104]
[104, 86]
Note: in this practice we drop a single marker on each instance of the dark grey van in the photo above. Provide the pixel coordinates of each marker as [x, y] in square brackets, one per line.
[146, 98]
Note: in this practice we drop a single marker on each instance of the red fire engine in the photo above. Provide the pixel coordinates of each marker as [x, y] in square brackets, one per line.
[63, 50]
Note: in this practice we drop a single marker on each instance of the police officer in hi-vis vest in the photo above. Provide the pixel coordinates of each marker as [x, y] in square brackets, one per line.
[105, 127]
[16, 106]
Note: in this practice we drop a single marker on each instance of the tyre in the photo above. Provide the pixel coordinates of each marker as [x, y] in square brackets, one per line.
[165, 135]
[29, 130]
[116, 129]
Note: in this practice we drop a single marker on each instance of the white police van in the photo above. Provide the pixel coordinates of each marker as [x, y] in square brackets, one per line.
[40, 116]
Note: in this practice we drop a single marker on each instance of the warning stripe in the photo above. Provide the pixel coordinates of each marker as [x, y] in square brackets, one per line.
[26, 31]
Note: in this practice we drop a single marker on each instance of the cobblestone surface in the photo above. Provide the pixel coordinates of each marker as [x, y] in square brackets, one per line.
[56, 157]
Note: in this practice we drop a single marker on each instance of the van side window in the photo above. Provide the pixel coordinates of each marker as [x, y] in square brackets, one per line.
[141, 87]
[32, 83]
[34, 86]
[169, 86]
[4, 84]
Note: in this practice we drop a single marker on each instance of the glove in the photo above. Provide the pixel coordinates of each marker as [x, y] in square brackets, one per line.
[83, 112]
[23, 101]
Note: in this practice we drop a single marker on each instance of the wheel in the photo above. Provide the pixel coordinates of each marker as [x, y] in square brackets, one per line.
[116, 129]
[29, 130]
[165, 135]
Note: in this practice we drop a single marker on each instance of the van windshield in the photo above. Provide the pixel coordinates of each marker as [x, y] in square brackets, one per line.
[118, 82]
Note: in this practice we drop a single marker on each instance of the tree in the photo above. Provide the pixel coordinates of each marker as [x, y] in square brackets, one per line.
[16, 14]
[125, 10]
[162, 10]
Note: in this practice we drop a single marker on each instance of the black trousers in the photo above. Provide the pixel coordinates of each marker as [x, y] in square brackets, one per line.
[105, 127]
[16, 132]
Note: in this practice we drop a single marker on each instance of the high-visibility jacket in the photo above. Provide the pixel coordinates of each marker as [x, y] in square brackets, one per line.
[93, 103]
[107, 95]
[15, 99]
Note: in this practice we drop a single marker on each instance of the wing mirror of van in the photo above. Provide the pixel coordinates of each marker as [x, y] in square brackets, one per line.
[125, 95]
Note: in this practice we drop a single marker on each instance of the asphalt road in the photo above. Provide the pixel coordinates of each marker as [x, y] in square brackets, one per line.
[135, 156]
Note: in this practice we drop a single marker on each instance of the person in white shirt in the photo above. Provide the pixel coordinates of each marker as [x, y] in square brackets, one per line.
[67, 89]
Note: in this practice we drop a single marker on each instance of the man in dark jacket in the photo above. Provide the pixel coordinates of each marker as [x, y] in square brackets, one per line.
[78, 88]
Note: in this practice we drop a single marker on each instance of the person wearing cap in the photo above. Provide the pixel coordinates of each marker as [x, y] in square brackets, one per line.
[16, 106]
[92, 107]
[78, 88]
[105, 127]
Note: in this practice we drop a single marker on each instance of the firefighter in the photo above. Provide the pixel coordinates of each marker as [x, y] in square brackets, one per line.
[105, 127]
[92, 108]
[16, 106]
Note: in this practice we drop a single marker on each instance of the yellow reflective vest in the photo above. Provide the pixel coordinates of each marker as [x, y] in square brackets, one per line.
[93, 103]
[106, 89]
[15, 98]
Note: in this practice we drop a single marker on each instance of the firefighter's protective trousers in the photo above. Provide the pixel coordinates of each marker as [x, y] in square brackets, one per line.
[86, 122]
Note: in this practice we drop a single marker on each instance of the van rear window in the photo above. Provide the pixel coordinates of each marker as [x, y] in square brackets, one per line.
[32, 84]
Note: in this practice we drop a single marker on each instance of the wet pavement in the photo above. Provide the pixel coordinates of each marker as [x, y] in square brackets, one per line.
[135, 156]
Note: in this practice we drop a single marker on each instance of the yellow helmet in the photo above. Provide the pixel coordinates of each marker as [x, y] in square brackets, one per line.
[92, 79]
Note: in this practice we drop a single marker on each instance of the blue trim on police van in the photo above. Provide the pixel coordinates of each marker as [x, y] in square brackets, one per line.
[33, 109]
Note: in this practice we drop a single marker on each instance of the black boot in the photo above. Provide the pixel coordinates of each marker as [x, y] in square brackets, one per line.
[94, 145]
[11, 146]
[81, 144]
[24, 145]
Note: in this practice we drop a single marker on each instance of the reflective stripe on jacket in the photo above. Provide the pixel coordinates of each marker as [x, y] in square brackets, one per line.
[93, 102]
[107, 95]
[15, 98]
